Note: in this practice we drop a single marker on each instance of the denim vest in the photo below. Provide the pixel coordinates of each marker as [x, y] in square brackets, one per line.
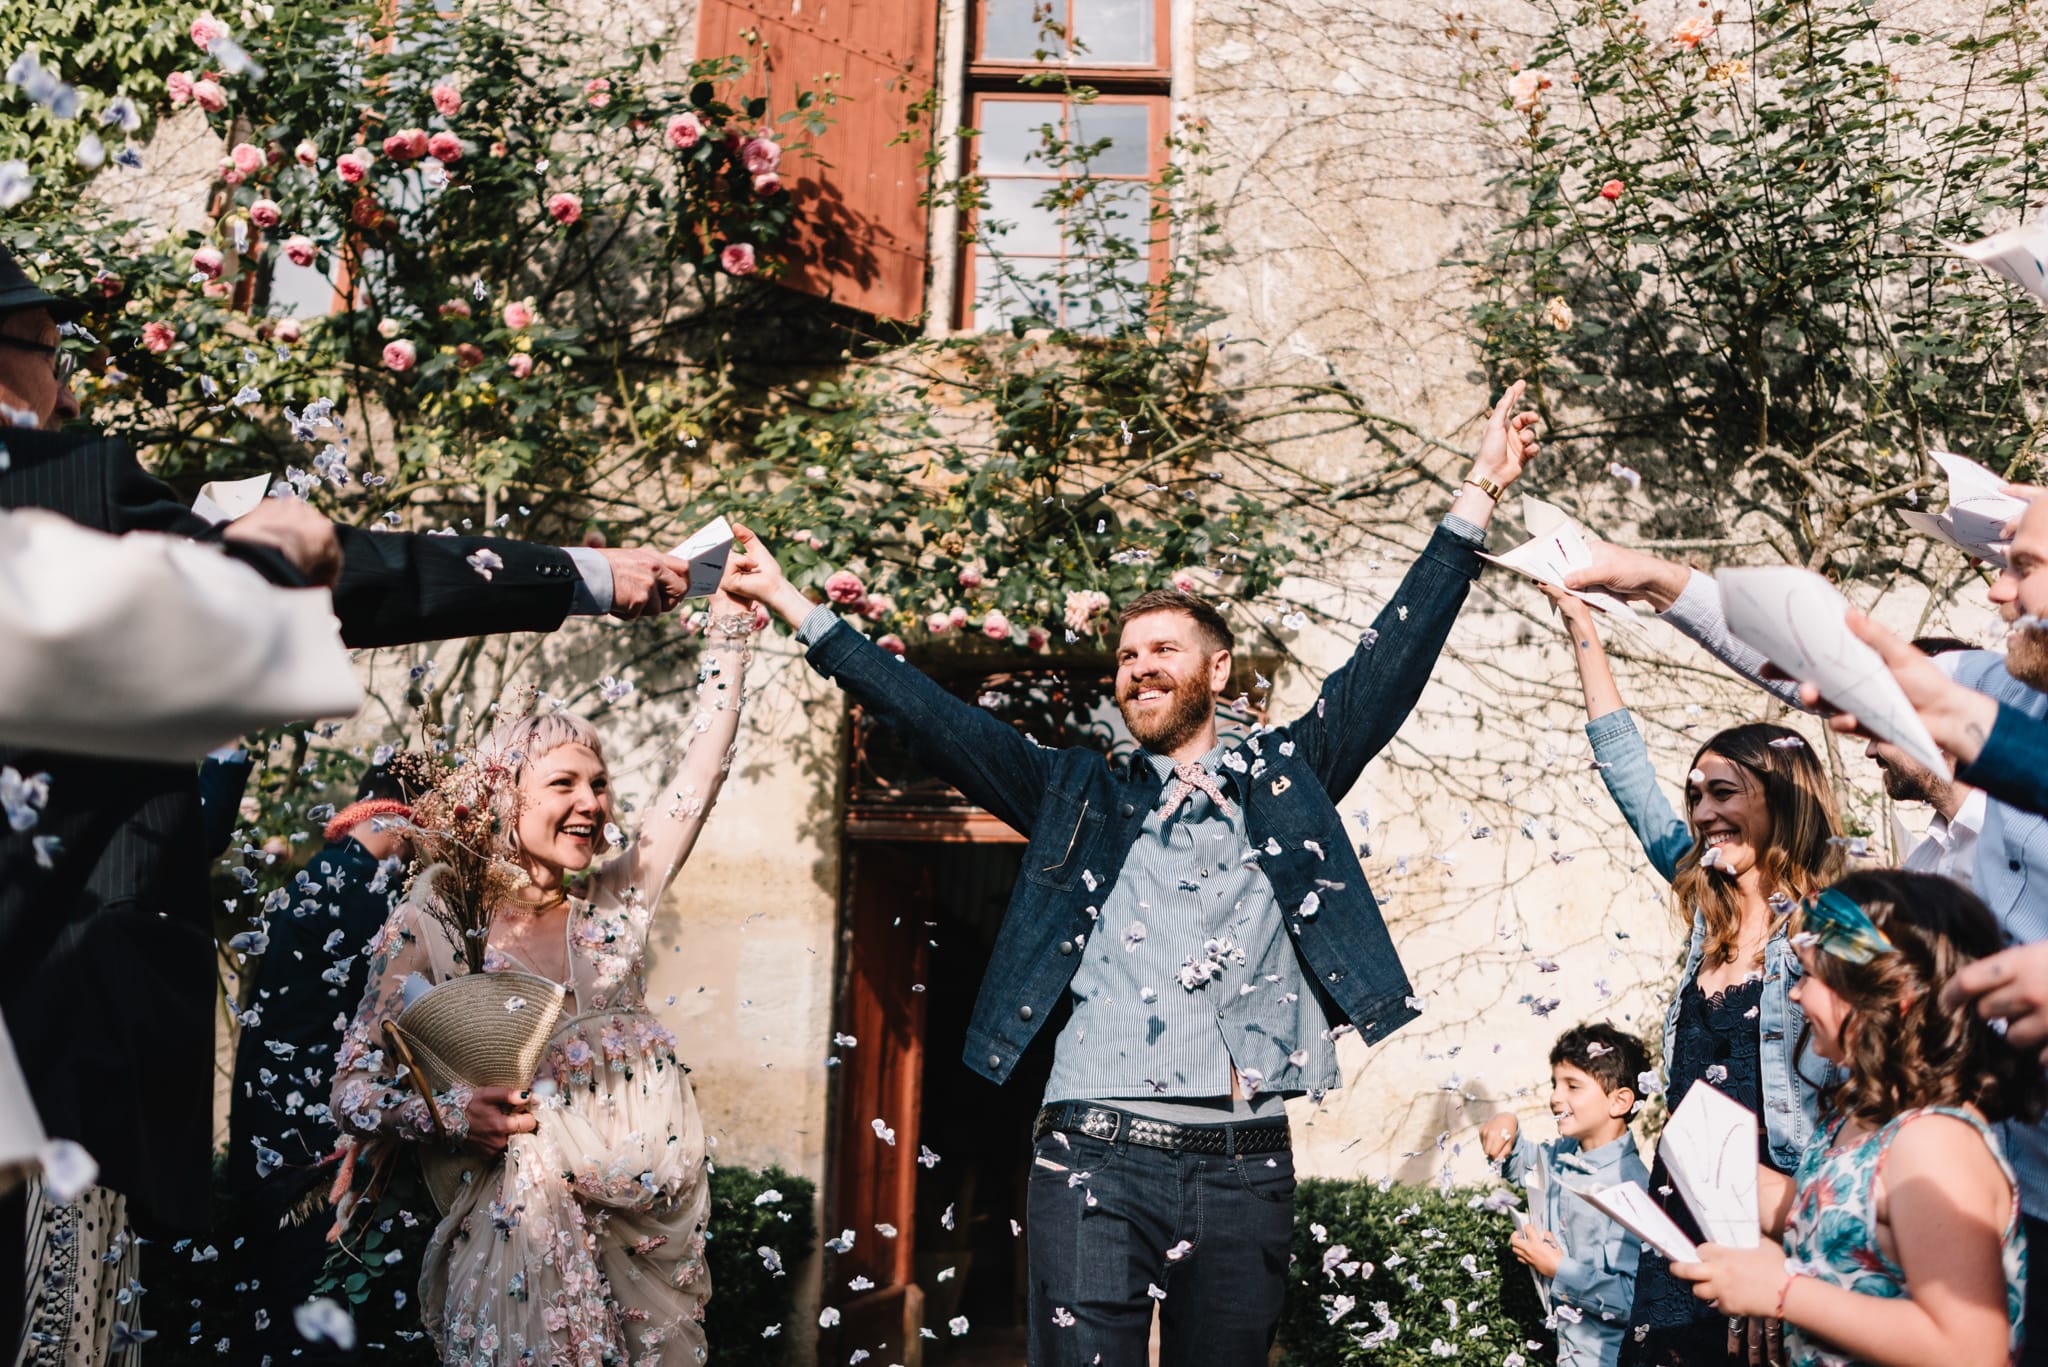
[1082, 811]
[1791, 1082]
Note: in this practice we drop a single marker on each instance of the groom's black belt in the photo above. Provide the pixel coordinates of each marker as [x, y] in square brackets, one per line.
[1109, 1124]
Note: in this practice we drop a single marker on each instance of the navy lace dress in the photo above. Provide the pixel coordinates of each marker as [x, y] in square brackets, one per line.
[1716, 1042]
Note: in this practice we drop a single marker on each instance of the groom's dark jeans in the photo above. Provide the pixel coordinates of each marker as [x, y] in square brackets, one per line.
[1108, 1221]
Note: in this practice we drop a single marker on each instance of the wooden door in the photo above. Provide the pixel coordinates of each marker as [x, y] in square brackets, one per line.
[874, 1175]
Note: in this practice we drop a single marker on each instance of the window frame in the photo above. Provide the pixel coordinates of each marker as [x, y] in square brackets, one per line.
[1149, 84]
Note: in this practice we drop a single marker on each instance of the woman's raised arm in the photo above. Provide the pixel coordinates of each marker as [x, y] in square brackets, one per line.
[669, 830]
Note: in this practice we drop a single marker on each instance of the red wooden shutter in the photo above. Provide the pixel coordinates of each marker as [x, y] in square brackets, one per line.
[861, 239]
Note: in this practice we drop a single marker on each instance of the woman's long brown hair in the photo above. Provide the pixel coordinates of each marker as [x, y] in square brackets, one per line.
[1902, 1050]
[1801, 857]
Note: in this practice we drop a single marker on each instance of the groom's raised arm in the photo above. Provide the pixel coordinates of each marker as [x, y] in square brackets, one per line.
[1363, 703]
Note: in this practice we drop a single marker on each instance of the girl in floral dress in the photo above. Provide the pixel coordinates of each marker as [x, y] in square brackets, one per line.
[585, 1245]
[1902, 1222]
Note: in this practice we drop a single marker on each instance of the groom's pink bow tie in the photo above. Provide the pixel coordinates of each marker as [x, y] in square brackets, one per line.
[1190, 778]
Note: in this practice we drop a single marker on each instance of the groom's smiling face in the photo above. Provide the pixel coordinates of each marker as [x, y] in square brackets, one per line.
[1167, 678]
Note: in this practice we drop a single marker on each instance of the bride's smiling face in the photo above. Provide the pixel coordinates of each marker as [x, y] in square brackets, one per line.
[565, 799]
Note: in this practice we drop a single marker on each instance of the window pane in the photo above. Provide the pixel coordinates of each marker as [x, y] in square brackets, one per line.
[1012, 289]
[1112, 297]
[1014, 31]
[1114, 31]
[1011, 135]
[1033, 229]
[1111, 211]
[1127, 126]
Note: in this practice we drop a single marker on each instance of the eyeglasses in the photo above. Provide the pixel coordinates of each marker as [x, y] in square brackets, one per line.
[62, 362]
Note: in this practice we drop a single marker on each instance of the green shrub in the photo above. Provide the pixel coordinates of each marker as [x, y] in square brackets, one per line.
[747, 1296]
[1433, 1275]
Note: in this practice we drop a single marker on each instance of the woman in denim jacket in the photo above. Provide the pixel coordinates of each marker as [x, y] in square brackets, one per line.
[1762, 826]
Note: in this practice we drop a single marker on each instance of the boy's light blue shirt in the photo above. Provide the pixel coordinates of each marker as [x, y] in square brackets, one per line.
[1597, 1278]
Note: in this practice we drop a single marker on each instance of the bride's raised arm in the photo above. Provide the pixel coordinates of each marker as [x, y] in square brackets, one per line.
[669, 827]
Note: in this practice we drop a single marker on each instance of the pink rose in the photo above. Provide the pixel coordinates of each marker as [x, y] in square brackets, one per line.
[760, 156]
[306, 153]
[1183, 581]
[844, 587]
[447, 100]
[877, 606]
[521, 364]
[1612, 190]
[211, 97]
[1036, 637]
[468, 355]
[445, 148]
[958, 617]
[206, 31]
[178, 86]
[208, 262]
[456, 308]
[264, 213]
[353, 165]
[158, 337]
[518, 315]
[248, 158]
[970, 578]
[407, 144]
[738, 259]
[286, 331]
[893, 644]
[215, 289]
[299, 250]
[1526, 88]
[765, 185]
[565, 208]
[938, 624]
[1690, 33]
[229, 173]
[400, 356]
[995, 626]
[1083, 606]
[598, 92]
[684, 131]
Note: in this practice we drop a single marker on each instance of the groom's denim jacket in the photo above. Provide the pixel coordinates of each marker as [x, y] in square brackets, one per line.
[1082, 812]
[1791, 1079]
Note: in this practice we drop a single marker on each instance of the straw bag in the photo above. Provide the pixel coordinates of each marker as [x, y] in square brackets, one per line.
[481, 1030]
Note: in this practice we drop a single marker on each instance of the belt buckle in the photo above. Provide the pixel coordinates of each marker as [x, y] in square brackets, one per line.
[1098, 1123]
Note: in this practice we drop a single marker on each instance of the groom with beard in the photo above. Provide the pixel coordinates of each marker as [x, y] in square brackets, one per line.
[1200, 910]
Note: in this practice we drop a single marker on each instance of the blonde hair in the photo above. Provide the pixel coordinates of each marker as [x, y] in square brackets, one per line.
[524, 741]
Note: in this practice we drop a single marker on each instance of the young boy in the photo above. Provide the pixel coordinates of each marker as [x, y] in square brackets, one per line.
[1587, 1260]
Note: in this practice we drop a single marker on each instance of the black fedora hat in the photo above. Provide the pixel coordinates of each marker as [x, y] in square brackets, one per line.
[17, 291]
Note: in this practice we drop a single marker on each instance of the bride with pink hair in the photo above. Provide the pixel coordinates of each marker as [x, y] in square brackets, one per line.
[576, 1237]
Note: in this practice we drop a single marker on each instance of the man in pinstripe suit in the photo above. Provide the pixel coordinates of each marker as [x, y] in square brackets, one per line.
[106, 952]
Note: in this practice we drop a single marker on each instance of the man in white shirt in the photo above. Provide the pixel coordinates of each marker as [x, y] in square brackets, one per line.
[1950, 846]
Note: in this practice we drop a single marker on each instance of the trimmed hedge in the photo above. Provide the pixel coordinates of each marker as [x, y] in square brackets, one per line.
[747, 1297]
[1422, 1277]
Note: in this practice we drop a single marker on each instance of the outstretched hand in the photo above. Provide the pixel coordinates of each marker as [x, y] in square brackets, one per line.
[1630, 575]
[753, 576]
[1575, 611]
[1510, 441]
[2012, 986]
